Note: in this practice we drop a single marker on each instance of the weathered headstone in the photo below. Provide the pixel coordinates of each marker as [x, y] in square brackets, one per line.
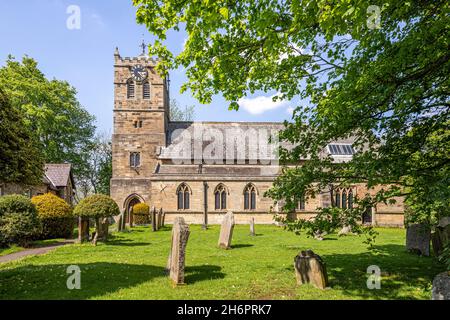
[318, 235]
[119, 223]
[310, 268]
[441, 286]
[180, 236]
[104, 229]
[154, 219]
[345, 231]
[226, 231]
[124, 220]
[160, 216]
[83, 229]
[252, 227]
[163, 220]
[418, 237]
[440, 238]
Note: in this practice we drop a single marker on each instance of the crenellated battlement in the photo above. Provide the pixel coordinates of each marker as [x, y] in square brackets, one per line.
[142, 59]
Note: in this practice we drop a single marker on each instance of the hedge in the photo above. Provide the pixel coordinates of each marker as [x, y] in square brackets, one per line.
[19, 222]
[56, 216]
[141, 213]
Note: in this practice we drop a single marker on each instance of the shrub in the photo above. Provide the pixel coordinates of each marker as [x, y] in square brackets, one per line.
[96, 206]
[56, 216]
[141, 213]
[19, 222]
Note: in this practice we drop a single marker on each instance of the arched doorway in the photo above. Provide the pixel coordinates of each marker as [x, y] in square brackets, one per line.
[367, 216]
[131, 201]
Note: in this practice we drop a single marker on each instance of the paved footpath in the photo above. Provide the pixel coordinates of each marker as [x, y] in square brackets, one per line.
[33, 252]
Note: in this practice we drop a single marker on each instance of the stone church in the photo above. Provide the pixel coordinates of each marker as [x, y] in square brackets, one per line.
[201, 170]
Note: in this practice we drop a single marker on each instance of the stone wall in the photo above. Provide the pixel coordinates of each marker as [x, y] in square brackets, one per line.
[11, 188]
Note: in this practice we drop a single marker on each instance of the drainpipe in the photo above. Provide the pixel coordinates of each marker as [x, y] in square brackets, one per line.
[205, 205]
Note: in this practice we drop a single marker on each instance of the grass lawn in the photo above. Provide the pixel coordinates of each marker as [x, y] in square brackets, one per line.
[131, 266]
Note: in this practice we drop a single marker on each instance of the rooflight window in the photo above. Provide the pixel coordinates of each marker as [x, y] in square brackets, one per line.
[341, 149]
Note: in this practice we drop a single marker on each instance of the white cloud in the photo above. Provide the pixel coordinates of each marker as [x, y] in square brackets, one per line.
[261, 104]
[290, 110]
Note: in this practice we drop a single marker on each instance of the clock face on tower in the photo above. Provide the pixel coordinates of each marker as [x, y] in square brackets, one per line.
[139, 73]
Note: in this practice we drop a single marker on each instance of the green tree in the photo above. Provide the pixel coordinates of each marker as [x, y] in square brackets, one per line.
[96, 207]
[178, 114]
[51, 110]
[97, 172]
[377, 73]
[21, 160]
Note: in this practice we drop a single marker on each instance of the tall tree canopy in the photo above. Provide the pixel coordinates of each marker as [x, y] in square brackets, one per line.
[97, 172]
[177, 113]
[20, 156]
[51, 111]
[380, 78]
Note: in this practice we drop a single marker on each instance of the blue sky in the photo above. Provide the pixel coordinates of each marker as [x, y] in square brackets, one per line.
[84, 57]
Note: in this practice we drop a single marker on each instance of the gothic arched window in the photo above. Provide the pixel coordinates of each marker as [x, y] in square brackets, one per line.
[183, 196]
[301, 203]
[135, 159]
[130, 89]
[146, 90]
[250, 197]
[350, 199]
[337, 200]
[344, 198]
[220, 196]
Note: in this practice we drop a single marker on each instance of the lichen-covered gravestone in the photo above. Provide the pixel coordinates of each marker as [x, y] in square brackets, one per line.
[418, 237]
[441, 286]
[180, 236]
[226, 231]
[310, 268]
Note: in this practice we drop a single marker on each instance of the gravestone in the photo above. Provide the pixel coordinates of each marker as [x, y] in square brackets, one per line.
[441, 286]
[83, 227]
[345, 231]
[310, 268]
[440, 238]
[104, 229]
[154, 219]
[418, 237]
[252, 227]
[226, 231]
[124, 221]
[319, 235]
[119, 223]
[160, 215]
[180, 236]
[163, 220]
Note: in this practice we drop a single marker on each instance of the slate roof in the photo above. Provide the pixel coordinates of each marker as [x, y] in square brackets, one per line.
[58, 174]
[226, 130]
[201, 147]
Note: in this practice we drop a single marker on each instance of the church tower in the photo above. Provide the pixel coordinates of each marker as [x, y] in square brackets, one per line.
[141, 116]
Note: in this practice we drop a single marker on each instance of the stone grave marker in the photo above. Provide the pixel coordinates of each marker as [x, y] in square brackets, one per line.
[226, 231]
[310, 268]
[180, 236]
[252, 227]
[418, 237]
